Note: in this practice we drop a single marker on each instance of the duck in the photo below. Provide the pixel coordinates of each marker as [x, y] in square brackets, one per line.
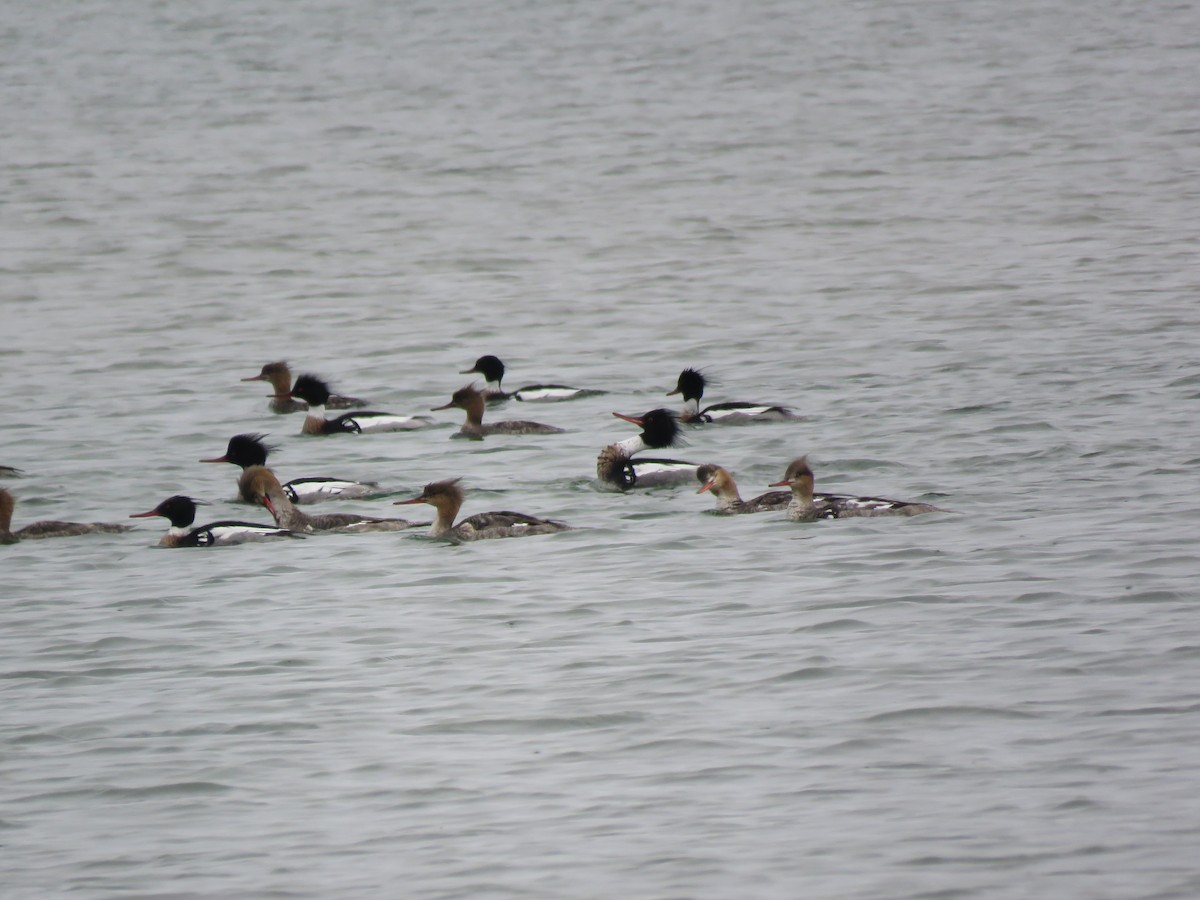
[447, 498]
[315, 392]
[691, 385]
[247, 450]
[180, 511]
[659, 428]
[11, 472]
[717, 480]
[280, 378]
[471, 400]
[47, 529]
[492, 369]
[260, 485]
[806, 506]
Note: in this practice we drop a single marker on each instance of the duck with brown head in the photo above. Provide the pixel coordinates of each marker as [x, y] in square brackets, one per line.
[280, 378]
[446, 497]
[471, 401]
[315, 392]
[260, 485]
[807, 506]
[718, 481]
[46, 529]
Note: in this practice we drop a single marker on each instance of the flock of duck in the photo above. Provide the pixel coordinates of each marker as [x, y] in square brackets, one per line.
[616, 466]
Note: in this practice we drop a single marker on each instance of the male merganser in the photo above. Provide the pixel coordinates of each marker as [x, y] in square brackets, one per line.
[659, 429]
[280, 377]
[691, 385]
[724, 490]
[181, 512]
[471, 401]
[807, 506]
[447, 498]
[492, 369]
[247, 450]
[261, 486]
[315, 393]
[47, 529]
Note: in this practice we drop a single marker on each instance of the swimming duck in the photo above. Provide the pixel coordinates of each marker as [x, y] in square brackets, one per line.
[180, 511]
[807, 506]
[280, 378]
[47, 529]
[261, 486]
[659, 428]
[492, 369]
[247, 450]
[725, 491]
[471, 401]
[315, 392]
[447, 498]
[691, 385]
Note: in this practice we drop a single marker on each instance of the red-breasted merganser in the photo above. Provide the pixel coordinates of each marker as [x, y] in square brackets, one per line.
[280, 378]
[492, 369]
[260, 484]
[48, 529]
[691, 385]
[247, 450]
[10, 472]
[447, 498]
[315, 393]
[181, 512]
[471, 401]
[807, 506]
[659, 429]
[725, 491]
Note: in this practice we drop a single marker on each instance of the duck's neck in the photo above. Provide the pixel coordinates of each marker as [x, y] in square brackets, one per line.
[630, 446]
[281, 380]
[443, 523]
[474, 410]
[285, 513]
[802, 496]
[314, 420]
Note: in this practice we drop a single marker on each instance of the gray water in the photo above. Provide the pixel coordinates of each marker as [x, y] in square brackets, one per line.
[959, 238]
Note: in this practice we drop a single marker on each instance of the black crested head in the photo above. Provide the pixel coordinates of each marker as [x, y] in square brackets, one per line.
[489, 367]
[311, 389]
[248, 450]
[179, 510]
[660, 428]
[690, 384]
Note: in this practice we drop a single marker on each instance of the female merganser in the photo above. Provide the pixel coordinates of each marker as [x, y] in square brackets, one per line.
[447, 498]
[261, 486]
[492, 370]
[247, 450]
[724, 490]
[691, 386]
[181, 512]
[659, 429]
[10, 472]
[315, 393]
[807, 506]
[47, 529]
[471, 401]
[280, 377]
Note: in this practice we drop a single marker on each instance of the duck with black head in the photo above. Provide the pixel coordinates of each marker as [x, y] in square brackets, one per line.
[247, 450]
[180, 511]
[691, 383]
[315, 392]
[492, 369]
[616, 467]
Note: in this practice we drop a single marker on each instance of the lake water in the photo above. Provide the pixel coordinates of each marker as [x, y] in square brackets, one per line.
[959, 239]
